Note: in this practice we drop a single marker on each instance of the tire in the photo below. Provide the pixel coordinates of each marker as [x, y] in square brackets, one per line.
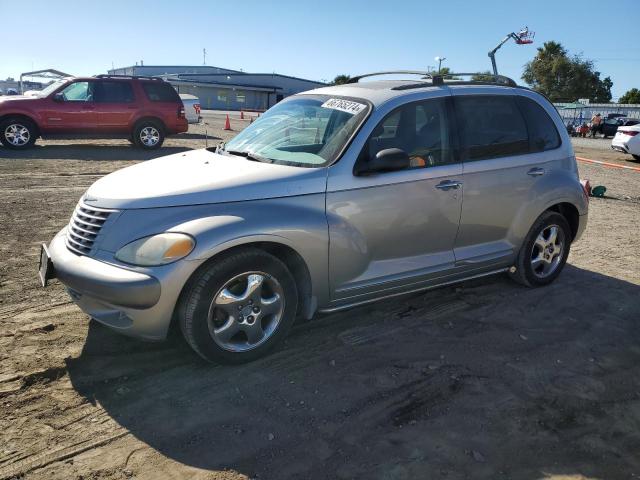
[231, 301]
[637, 157]
[18, 133]
[148, 135]
[550, 257]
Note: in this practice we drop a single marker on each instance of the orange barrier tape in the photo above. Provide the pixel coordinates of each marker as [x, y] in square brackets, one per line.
[607, 164]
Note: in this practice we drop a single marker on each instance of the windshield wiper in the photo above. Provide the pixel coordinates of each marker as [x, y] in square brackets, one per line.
[249, 156]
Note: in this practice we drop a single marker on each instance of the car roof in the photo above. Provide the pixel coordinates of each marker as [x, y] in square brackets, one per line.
[381, 91]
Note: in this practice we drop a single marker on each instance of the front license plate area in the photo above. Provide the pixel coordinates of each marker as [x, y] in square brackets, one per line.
[45, 268]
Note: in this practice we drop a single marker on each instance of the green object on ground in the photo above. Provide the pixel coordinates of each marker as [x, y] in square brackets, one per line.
[598, 191]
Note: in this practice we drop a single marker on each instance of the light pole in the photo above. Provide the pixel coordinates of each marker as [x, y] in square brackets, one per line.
[440, 60]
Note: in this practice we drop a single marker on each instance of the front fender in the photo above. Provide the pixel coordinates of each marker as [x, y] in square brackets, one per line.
[296, 222]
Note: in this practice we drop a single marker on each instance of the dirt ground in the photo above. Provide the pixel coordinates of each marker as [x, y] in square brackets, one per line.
[486, 379]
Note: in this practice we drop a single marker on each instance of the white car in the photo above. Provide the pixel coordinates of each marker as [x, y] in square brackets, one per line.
[191, 107]
[627, 140]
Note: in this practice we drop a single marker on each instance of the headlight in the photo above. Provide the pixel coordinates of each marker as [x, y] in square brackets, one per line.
[156, 250]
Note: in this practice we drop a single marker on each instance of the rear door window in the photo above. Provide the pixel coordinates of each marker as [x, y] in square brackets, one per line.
[113, 92]
[490, 126]
[543, 134]
[160, 92]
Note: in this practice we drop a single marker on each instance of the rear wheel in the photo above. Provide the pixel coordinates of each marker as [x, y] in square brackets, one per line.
[637, 157]
[238, 308]
[148, 135]
[17, 133]
[544, 251]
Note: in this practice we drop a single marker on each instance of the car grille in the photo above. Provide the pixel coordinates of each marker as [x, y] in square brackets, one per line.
[84, 227]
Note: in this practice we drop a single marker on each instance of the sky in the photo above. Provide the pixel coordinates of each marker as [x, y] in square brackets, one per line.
[314, 39]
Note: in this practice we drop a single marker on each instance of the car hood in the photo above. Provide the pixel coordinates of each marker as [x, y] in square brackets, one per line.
[201, 177]
[4, 99]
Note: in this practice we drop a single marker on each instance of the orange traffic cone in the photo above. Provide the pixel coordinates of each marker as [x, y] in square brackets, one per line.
[241, 115]
[227, 124]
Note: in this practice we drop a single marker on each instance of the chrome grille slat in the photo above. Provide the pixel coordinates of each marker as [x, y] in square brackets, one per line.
[82, 230]
[75, 218]
[82, 213]
[84, 227]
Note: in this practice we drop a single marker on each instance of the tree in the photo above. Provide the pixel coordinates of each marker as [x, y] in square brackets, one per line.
[632, 96]
[341, 79]
[485, 76]
[565, 78]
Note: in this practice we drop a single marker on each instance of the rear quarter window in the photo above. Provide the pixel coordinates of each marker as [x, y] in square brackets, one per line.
[543, 134]
[160, 92]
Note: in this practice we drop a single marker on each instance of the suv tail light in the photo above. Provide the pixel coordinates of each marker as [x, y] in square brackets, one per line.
[181, 112]
[631, 133]
[197, 108]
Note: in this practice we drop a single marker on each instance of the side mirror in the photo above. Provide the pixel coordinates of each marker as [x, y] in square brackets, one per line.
[388, 160]
[58, 97]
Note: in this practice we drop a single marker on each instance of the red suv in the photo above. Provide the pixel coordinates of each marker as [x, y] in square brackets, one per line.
[142, 109]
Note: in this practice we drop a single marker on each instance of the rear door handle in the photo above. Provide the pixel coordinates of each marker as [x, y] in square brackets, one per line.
[448, 184]
[536, 172]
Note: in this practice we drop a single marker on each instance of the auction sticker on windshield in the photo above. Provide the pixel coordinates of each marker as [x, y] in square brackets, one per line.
[347, 106]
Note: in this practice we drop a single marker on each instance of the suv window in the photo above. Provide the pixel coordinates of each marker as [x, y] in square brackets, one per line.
[113, 92]
[490, 126]
[78, 92]
[543, 134]
[160, 92]
[420, 129]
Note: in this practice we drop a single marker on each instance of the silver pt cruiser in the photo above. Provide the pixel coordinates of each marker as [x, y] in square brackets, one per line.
[335, 197]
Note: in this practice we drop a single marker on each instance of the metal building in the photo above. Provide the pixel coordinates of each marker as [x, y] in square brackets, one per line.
[225, 89]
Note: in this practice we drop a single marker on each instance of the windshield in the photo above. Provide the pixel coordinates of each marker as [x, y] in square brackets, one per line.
[52, 87]
[304, 130]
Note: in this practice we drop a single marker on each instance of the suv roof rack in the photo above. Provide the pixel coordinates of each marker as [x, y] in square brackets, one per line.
[483, 78]
[134, 77]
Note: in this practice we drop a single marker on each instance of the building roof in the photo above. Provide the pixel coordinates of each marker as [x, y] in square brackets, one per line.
[178, 66]
[243, 86]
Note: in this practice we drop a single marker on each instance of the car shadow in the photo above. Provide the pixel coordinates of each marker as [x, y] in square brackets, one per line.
[89, 152]
[485, 379]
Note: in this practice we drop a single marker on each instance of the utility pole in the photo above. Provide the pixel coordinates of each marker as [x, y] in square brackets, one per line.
[440, 60]
[204, 56]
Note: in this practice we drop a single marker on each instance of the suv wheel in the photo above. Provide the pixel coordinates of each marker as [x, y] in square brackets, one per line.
[148, 135]
[236, 309]
[544, 251]
[17, 133]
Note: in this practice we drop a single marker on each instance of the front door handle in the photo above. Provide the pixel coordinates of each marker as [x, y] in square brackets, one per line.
[448, 184]
[536, 172]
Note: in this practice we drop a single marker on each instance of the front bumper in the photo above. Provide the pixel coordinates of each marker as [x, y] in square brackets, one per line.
[133, 303]
[102, 281]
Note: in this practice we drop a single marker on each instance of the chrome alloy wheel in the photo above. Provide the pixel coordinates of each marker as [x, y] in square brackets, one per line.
[246, 311]
[149, 136]
[547, 251]
[17, 134]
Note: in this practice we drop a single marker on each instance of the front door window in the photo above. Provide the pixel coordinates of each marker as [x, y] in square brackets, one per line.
[78, 92]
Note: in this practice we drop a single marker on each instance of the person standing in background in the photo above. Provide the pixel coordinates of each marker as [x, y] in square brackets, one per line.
[596, 122]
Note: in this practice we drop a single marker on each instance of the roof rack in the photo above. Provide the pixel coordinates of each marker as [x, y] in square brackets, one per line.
[482, 78]
[135, 77]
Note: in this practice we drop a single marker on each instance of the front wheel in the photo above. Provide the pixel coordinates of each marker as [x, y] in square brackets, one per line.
[17, 133]
[237, 308]
[544, 251]
[637, 157]
[148, 135]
